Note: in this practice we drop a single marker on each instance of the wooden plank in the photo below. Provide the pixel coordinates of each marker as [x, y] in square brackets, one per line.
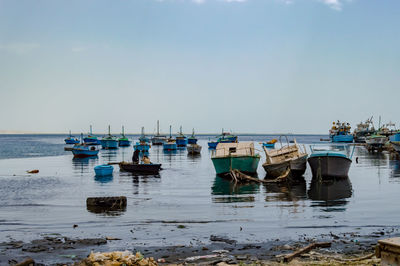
[297, 253]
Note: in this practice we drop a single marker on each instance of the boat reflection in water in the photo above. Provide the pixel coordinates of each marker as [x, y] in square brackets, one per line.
[103, 179]
[113, 211]
[84, 165]
[330, 193]
[225, 191]
[395, 169]
[289, 191]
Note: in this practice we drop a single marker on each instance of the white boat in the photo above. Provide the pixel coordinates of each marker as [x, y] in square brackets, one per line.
[194, 149]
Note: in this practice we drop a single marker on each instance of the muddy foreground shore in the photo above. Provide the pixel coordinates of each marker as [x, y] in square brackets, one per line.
[344, 248]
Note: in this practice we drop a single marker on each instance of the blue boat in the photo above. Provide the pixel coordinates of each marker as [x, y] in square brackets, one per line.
[141, 146]
[181, 140]
[123, 141]
[170, 144]
[91, 139]
[71, 139]
[225, 137]
[143, 137]
[84, 150]
[109, 142]
[192, 139]
[340, 132]
[270, 144]
[103, 170]
[212, 144]
[328, 163]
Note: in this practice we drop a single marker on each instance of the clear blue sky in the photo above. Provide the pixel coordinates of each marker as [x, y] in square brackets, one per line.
[259, 66]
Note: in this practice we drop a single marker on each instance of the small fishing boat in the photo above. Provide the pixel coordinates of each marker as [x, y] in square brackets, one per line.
[140, 168]
[194, 149]
[278, 161]
[181, 140]
[109, 142]
[71, 139]
[123, 141]
[91, 139]
[192, 139]
[340, 132]
[84, 150]
[103, 170]
[363, 130]
[239, 156]
[270, 144]
[225, 137]
[170, 144]
[158, 139]
[143, 144]
[376, 142]
[329, 162]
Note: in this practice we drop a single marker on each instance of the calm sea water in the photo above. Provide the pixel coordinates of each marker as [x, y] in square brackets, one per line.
[186, 192]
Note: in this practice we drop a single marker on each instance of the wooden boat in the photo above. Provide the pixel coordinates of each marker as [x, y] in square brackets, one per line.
[181, 140]
[286, 157]
[192, 139]
[170, 144]
[71, 139]
[240, 156]
[329, 163]
[158, 139]
[91, 139]
[340, 132]
[140, 168]
[123, 141]
[83, 150]
[103, 170]
[109, 141]
[194, 149]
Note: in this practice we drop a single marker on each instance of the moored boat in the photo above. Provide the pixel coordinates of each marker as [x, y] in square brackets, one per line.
[278, 161]
[91, 139]
[192, 139]
[240, 156]
[329, 163]
[71, 139]
[143, 144]
[158, 139]
[181, 139]
[270, 144]
[376, 142]
[340, 132]
[109, 141]
[84, 150]
[194, 149]
[363, 130]
[225, 137]
[140, 168]
[103, 170]
[170, 144]
[123, 141]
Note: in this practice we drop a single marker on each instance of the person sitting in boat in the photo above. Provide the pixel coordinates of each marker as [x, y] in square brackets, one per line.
[146, 160]
[135, 157]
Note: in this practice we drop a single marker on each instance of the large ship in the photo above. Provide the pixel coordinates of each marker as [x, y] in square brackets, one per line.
[340, 132]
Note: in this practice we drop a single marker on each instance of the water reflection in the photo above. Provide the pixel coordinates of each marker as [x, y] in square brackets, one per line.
[330, 193]
[289, 191]
[114, 211]
[395, 169]
[109, 156]
[83, 165]
[228, 191]
[103, 179]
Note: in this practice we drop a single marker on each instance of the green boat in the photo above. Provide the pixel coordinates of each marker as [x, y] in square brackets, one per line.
[240, 156]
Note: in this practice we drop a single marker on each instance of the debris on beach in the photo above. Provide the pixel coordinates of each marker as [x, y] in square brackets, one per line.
[35, 171]
[117, 258]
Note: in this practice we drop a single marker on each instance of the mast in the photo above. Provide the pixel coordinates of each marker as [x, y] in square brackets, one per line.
[91, 130]
[158, 127]
[109, 130]
[142, 131]
[180, 131]
[123, 131]
[70, 133]
[170, 131]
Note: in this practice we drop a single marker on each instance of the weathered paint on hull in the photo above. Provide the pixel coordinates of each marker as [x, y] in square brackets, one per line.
[329, 166]
[297, 167]
[194, 149]
[245, 164]
[343, 138]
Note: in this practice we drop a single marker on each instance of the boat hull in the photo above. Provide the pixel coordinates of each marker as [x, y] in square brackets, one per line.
[140, 168]
[297, 167]
[158, 140]
[71, 141]
[91, 141]
[84, 153]
[192, 141]
[343, 138]
[103, 170]
[124, 143]
[212, 145]
[376, 141]
[109, 144]
[269, 145]
[169, 147]
[329, 166]
[181, 142]
[245, 164]
[194, 149]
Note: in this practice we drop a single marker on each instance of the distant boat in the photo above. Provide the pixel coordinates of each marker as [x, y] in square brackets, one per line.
[71, 139]
[340, 132]
[103, 170]
[109, 141]
[225, 137]
[158, 139]
[170, 144]
[123, 141]
[143, 144]
[194, 149]
[91, 139]
[84, 150]
[192, 139]
[181, 140]
[376, 142]
[287, 157]
[239, 156]
[363, 130]
[270, 144]
[330, 162]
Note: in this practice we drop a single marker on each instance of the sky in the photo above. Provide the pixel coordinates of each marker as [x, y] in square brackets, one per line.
[250, 66]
